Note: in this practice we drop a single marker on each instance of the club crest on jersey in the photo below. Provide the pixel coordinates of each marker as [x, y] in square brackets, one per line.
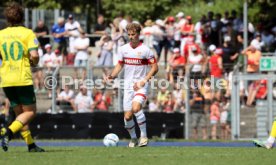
[35, 41]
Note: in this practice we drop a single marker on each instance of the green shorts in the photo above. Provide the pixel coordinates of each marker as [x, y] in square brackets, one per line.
[20, 95]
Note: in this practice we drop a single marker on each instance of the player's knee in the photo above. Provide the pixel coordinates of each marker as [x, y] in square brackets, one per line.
[135, 109]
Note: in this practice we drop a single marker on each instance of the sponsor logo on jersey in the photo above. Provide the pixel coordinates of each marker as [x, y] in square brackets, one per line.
[135, 61]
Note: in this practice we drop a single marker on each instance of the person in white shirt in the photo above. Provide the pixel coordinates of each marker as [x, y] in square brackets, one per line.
[51, 60]
[153, 106]
[65, 98]
[73, 29]
[196, 60]
[136, 59]
[81, 59]
[37, 73]
[181, 21]
[83, 102]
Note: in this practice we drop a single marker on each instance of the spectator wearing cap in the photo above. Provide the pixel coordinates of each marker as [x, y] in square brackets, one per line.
[195, 60]
[83, 103]
[212, 49]
[170, 29]
[257, 42]
[59, 33]
[73, 29]
[47, 61]
[181, 21]
[81, 59]
[200, 32]
[229, 55]
[187, 31]
[176, 65]
[253, 58]
[41, 30]
[216, 70]
[188, 28]
[189, 44]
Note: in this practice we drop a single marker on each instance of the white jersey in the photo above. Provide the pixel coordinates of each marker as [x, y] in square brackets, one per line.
[73, 28]
[136, 63]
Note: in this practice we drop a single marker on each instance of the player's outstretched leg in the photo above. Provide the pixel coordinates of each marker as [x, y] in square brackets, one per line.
[263, 144]
[268, 144]
[141, 121]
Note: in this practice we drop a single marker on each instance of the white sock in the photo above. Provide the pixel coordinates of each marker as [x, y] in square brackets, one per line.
[130, 127]
[270, 139]
[141, 121]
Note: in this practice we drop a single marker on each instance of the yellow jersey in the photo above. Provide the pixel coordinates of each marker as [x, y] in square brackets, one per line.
[15, 44]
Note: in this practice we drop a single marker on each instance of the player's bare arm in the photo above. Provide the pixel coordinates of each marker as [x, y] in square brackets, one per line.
[114, 73]
[152, 72]
[34, 57]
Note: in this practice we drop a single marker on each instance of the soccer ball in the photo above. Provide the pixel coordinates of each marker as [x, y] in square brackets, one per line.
[111, 140]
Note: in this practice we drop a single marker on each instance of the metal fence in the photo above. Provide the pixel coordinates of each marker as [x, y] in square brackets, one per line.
[255, 121]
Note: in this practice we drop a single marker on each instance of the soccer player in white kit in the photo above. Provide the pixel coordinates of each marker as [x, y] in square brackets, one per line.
[136, 59]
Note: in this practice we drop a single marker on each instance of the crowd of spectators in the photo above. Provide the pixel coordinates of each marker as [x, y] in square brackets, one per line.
[208, 48]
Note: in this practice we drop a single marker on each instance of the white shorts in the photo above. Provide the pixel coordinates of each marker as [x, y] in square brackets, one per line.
[223, 117]
[130, 95]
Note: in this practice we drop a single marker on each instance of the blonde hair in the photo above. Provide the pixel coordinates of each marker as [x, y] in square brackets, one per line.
[60, 20]
[133, 27]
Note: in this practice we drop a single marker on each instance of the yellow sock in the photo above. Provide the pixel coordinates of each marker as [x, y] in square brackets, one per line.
[273, 129]
[16, 126]
[27, 137]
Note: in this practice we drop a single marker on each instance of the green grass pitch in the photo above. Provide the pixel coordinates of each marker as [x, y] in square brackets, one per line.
[140, 156]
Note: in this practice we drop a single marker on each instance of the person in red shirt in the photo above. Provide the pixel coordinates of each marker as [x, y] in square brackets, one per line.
[216, 69]
[176, 65]
[187, 49]
[257, 90]
[101, 101]
[187, 28]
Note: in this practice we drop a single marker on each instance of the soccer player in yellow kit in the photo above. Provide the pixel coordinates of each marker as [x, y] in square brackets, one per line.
[268, 144]
[18, 51]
